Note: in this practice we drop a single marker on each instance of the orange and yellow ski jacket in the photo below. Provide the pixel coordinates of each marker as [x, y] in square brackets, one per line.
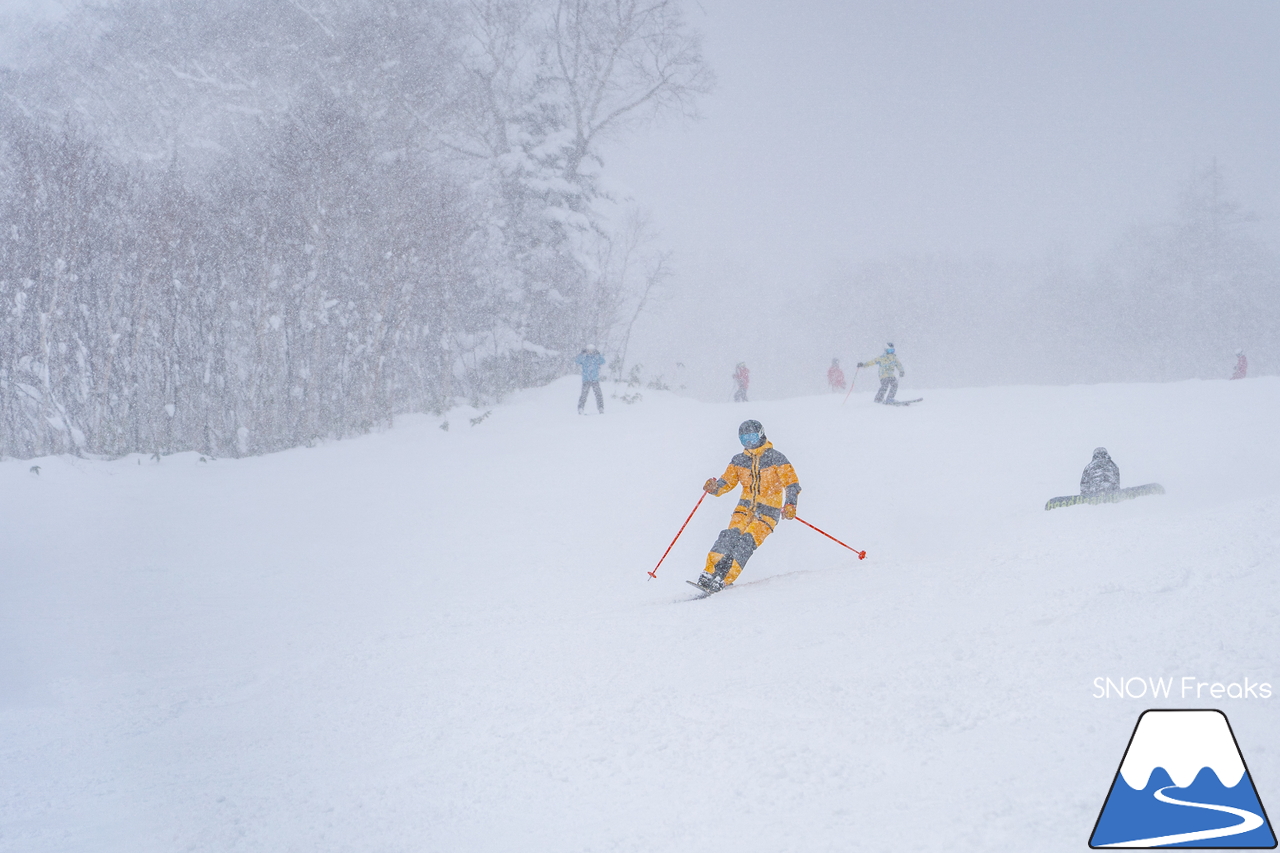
[767, 478]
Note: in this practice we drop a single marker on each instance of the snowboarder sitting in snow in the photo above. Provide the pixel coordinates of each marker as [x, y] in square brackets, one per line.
[590, 360]
[888, 363]
[835, 376]
[769, 492]
[1100, 475]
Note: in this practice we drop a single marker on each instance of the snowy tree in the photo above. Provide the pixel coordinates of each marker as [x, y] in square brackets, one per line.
[1180, 296]
[238, 226]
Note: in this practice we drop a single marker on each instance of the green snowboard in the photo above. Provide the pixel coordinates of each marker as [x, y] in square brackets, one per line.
[1107, 497]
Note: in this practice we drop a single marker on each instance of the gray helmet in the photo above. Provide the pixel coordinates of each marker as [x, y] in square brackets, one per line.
[751, 428]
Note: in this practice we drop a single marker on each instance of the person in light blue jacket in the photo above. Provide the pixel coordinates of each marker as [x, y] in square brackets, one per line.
[590, 360]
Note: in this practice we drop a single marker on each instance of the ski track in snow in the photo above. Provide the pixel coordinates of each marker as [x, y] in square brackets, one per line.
[421, 640]
[1248, 822]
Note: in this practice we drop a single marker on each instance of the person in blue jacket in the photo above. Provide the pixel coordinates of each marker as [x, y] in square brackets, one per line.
[590, 360]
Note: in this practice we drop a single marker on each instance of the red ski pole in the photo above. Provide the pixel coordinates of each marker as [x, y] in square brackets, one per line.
[862, 555]
[654, 573]
[842, 402]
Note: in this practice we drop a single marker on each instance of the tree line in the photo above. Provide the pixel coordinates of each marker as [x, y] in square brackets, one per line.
[236, 227]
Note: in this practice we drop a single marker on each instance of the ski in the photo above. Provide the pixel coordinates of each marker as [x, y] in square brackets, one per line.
[1106, 497]
[904, 402]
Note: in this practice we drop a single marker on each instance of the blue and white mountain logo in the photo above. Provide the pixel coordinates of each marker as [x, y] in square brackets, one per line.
[1183, 783]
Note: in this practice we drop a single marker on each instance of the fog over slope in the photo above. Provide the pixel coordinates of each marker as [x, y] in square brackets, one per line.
[1075, 192]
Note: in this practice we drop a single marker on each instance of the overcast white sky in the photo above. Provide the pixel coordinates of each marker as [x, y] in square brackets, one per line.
[846, 131]
[851, 130]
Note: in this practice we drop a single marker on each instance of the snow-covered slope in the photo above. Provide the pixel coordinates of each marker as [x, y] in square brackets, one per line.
[448, 641]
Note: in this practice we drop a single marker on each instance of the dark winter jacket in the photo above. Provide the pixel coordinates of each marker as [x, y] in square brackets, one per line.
[590, 362]
[1100, 475]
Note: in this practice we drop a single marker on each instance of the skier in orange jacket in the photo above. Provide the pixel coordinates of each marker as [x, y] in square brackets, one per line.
[769, 492]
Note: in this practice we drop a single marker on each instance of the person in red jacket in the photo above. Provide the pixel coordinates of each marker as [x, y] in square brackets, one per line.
[741, 378]
[1242, 365]
[835, 376]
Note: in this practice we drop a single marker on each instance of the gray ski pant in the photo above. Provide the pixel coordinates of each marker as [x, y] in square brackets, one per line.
[587, 387]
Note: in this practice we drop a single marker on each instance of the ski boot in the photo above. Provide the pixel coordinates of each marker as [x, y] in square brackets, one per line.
[710, 583]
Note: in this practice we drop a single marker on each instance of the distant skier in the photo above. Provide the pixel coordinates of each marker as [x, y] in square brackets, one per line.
[769, 492]
[887, 363]
[741, 379]
[835, 376]
[1100, 475]
[590, 360]
[1242, 365]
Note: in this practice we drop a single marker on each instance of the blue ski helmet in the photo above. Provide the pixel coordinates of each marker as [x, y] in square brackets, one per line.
[889, 348]
[751, 434]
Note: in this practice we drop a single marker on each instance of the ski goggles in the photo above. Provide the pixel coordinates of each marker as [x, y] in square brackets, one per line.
[749, 439]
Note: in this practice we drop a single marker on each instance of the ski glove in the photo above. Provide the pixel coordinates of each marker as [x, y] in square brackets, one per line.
[789, 511]
[860, 364]
[710, 486]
